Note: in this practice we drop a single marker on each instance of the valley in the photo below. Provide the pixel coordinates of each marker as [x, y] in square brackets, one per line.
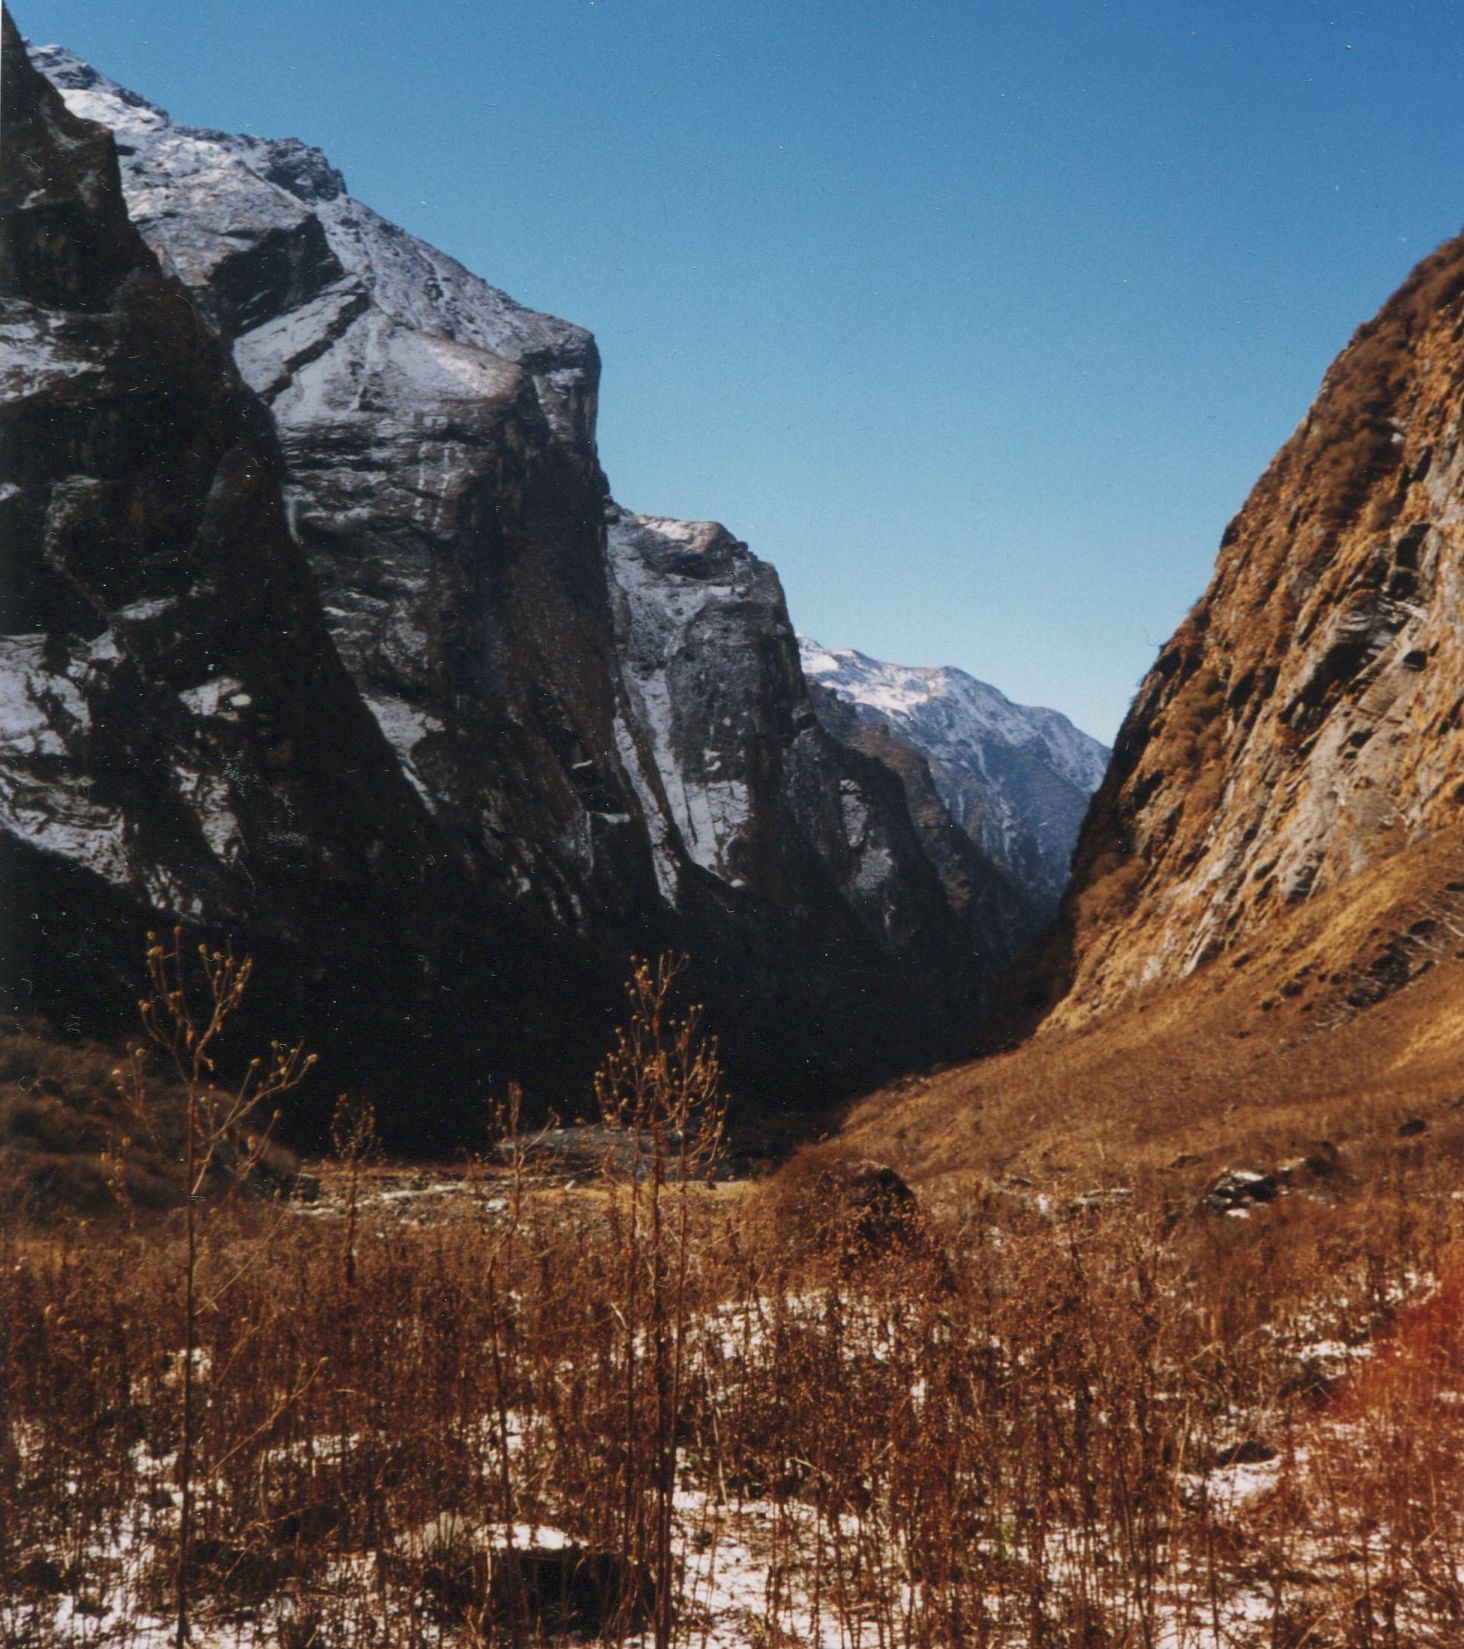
[719, 1140]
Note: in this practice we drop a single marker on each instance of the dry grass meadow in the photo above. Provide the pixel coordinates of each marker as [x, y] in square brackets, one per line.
[1064, 1400]
[756, 1415]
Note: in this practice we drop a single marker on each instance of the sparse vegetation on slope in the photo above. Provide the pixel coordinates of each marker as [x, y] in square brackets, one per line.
[1346, 1020]
[1304, 721]
[69, 1140]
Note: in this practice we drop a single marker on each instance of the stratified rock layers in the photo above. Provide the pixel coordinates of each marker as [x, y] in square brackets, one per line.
[1305, 720]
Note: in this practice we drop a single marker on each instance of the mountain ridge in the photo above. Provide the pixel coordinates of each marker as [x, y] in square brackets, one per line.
[1015, 778]
[1305, 722]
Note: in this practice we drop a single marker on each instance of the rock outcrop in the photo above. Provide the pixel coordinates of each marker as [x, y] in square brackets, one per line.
[427, 721]
[1307, 719]
[1015, 779]
[440, 476]
[180, 741]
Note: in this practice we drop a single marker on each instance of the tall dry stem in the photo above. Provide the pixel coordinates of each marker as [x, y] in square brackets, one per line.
[661, 1087]
[185, 1013]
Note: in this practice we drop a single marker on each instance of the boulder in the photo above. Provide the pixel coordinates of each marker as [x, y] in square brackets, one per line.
[1321, 1163]
[567, 1588]
[868, 1205]
[1247, 1451]
[545, 1580]
[38, 1574]
[1238, 1189]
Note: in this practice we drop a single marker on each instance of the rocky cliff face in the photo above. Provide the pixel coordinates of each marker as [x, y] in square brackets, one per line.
[180, 741]
[1307, 719]
[760, 822]
[1000, 914]
[1016, 779]
[440, 476]
[521, 731]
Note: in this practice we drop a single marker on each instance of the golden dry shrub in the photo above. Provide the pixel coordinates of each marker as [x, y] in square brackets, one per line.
[830, 1201]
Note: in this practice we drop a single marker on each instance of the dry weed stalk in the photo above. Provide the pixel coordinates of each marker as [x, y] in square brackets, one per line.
[185, 1014]
[661, 1086]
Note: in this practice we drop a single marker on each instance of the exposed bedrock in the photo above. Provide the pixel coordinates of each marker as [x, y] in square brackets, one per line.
[1306, 721]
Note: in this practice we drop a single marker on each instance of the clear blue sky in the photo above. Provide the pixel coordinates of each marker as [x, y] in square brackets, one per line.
[977, 317]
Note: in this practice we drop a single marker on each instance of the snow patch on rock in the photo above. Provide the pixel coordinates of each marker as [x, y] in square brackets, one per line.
[405, 727]
[44, 799]
[678, 582]
[221, 699]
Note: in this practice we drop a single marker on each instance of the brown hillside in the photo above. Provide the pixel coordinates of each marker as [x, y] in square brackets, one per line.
[1305, 721]
[1263, 941]
[1347, 1022]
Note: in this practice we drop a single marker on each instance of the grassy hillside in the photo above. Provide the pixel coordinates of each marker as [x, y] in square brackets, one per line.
[1255, 1057]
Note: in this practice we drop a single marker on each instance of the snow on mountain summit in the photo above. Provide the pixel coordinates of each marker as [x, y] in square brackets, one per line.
[1015, 777]
[927, 696]
[265, 235]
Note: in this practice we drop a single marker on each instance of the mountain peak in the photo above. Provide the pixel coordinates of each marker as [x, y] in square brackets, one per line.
[296, 167]
[1015, 778]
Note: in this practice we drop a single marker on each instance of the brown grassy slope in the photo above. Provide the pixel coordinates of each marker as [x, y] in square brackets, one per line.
[1305, 720]
[69, 1142]
[1345, 1022]
[1276, 852]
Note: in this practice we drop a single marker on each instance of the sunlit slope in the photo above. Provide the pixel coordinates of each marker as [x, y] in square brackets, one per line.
[1261, 941]
[1304, 722]
[1346, 1022]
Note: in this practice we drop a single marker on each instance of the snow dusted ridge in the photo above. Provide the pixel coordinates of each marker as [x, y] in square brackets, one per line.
[303, 260]
[437, 436]
[178, 739]
[1016, 778]
[395, 379]
[728, 755]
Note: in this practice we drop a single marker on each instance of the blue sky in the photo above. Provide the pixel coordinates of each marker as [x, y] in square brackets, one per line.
[979, 320]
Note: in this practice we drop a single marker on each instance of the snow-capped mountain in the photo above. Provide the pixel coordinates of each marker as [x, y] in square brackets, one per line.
[1016, 778]
[597, 733]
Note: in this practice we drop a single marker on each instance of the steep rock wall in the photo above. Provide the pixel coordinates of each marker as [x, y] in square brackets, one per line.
[494, 661]
[179, 739]
[1304, 722]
